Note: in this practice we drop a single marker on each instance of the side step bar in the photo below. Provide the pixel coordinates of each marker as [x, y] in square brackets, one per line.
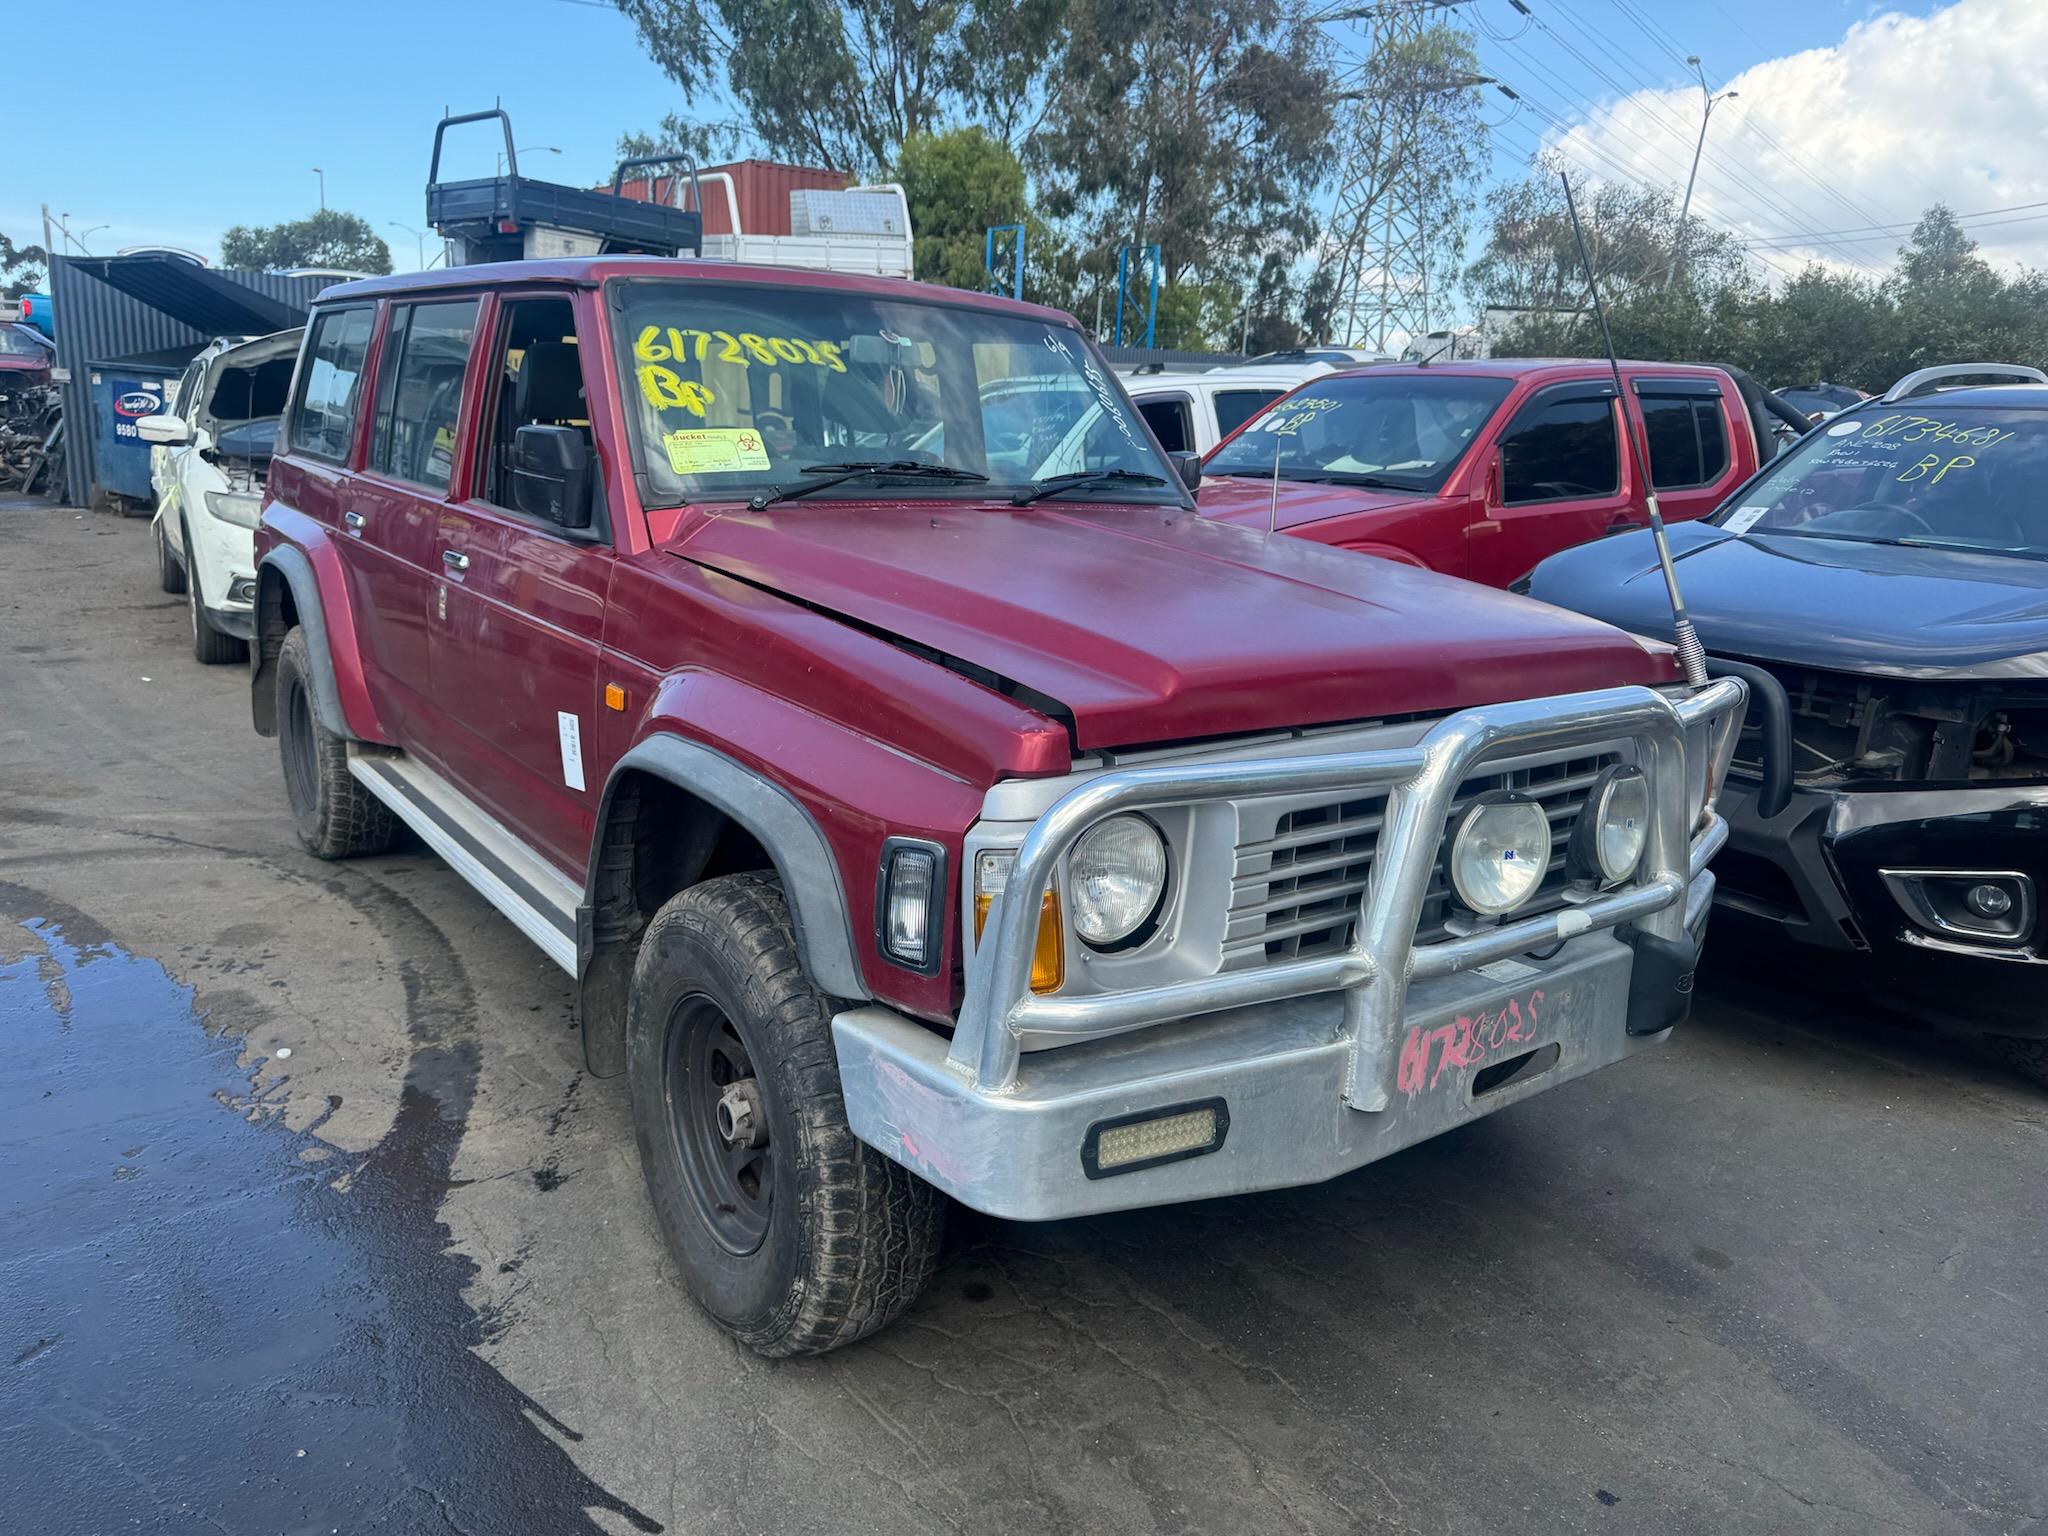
[539, 899]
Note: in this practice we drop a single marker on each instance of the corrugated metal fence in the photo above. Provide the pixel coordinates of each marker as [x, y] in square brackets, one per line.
[97, 323]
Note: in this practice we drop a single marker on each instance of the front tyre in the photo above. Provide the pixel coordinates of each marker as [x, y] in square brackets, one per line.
[334, 815]
[2029, 1058]
[794, 1235]
[210, 647]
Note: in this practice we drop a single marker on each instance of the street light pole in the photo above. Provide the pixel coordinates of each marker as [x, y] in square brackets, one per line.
[419, 237]
[526, 149]
[1685, 209]
[323, 187]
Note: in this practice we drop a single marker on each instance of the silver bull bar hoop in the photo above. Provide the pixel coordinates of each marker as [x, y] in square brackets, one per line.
[1373, 973]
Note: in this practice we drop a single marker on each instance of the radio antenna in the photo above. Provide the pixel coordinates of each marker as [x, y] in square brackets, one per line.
[1692, 656]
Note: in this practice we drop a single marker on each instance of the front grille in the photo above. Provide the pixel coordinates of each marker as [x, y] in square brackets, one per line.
[1302, 869]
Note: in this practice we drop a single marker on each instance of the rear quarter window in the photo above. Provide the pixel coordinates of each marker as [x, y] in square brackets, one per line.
[323, 417]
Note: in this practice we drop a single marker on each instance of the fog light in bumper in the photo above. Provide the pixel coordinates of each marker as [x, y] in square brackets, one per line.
[1131, 1142]
[1974, 906]
[242, 590]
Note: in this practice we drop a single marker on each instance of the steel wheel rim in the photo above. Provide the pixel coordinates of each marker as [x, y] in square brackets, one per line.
[301, 783]
[733, 1187]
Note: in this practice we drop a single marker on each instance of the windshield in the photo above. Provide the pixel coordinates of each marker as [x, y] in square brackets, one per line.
[739, 390]
[1405, 431]
[1965, 478]
[19, 341]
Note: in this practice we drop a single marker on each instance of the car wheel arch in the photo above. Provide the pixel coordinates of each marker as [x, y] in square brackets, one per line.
[674, 813]
[288, 596]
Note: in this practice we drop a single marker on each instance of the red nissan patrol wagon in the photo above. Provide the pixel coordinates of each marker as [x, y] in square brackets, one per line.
[927, 801]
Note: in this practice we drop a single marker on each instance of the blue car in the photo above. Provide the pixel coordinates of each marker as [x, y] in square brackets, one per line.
[1883, 586]
[37, 311]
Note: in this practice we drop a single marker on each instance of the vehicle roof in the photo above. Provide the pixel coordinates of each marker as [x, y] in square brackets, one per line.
[587, 271]
[1526, 367]
[2032, 397]
[1283, 376]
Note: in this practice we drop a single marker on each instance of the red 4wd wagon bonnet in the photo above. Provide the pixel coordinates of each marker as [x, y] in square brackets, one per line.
[927, 801]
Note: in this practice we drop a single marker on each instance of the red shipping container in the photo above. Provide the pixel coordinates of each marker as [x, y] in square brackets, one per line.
[760, 187]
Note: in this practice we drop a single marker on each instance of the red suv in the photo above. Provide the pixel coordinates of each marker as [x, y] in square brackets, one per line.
[1482, 469]
[925, 799]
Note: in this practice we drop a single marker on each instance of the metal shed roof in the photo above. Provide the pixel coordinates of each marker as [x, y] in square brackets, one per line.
[193, 295]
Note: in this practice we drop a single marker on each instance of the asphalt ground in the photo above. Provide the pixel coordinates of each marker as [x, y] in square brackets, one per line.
[311, 1222]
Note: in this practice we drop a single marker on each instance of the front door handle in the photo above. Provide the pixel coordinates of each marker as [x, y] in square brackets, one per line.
[355, 521]
[454, 560]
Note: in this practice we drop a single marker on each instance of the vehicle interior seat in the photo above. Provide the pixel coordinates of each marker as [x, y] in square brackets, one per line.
[548, 391]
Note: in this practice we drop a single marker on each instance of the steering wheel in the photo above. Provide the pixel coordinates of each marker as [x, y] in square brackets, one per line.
[1880, 511]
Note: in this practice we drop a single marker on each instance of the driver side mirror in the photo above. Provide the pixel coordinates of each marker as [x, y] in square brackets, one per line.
[1189, 467]
[551, 475]
[166, 431]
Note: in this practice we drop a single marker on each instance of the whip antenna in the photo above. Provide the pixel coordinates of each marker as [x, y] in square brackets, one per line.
[1692, 656]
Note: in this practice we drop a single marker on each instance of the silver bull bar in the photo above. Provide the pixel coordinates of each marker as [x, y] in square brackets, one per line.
[1373, 973]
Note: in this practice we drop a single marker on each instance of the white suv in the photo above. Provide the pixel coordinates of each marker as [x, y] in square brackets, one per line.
[209, 458]
[1193, 412]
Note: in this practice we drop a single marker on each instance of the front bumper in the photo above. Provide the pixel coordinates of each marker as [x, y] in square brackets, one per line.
[1323, 1065]
[1817, 872]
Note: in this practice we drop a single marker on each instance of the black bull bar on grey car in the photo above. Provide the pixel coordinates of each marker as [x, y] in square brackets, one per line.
[910, 1094]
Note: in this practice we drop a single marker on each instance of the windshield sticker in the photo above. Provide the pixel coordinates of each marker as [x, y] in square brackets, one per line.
[715, 451]
[681, 344]
[1745, 518]
[1844, 428]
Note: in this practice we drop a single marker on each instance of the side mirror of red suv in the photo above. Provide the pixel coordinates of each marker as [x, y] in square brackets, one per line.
[551, 475]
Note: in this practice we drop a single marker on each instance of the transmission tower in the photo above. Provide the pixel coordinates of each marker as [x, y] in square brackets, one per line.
[1379, 227]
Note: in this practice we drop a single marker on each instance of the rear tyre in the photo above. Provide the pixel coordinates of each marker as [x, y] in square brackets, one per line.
[209, 646]
[794, 1235]
[169, 574]
[2029, 1058]
[334, 815]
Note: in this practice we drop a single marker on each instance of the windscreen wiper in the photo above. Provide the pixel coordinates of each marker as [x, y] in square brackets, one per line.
[1074, 482]
[834, 474]
[1370, 482]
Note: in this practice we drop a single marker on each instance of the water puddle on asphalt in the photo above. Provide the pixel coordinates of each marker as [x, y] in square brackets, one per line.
[209, 1319]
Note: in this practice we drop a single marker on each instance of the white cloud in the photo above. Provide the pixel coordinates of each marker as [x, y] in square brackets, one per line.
[1901, 113]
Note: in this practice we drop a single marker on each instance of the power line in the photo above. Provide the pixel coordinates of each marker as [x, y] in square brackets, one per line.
[1887, 231]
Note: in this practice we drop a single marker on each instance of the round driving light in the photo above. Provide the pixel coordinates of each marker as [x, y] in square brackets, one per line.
[1611, 832]
[1989, 900]
[1500, 853]
[1116, 879]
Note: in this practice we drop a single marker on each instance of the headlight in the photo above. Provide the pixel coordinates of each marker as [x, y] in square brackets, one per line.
[1500, 853]
[234, 507]
[1614, 828]
[1117, 879]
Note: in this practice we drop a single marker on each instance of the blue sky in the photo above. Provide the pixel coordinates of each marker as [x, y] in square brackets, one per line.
[155, 157]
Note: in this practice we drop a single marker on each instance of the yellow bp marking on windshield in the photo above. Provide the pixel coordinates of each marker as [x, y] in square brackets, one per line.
[715, 451]
[667, 392]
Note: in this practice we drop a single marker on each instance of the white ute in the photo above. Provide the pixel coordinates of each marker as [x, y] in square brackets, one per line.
[209, 458]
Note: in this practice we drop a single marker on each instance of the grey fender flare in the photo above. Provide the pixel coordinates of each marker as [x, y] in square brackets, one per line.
[296, 571]
[810, 875]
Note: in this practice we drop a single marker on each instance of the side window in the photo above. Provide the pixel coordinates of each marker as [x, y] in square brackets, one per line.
[419, 391]
[1235, 407]
[537, 374]
[1168, 419]
[1561, 450]
[1688, 440]
[324, 417]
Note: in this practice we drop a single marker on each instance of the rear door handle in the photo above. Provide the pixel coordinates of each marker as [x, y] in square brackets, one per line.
[454, 560]
[355, 521]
